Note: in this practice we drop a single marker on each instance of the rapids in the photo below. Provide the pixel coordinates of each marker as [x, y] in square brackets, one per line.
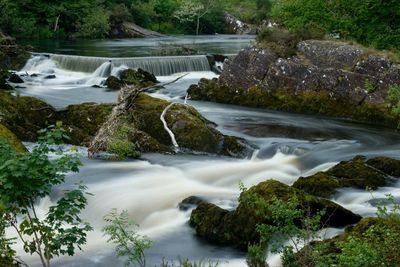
[289, 145]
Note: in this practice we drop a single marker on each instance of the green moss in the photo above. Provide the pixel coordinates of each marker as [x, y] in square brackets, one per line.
[319, 184]
[114, 83]
[386, 165]
[15, 143]
[83, 121]
[122, 149]
[138, 77]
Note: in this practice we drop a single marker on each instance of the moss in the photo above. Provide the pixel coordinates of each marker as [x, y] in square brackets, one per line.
[138, 77]
[305, 102]
[15, 143]
[319, 184]
[122, 149]
[83, 121]
[357, 173]
[386, 165]
[114, 83]
[238, 228]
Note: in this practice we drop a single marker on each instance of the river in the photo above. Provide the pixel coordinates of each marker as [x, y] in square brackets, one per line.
[290, 145]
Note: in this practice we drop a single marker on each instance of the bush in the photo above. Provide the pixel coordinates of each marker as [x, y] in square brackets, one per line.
[27, 178]
[393, 98]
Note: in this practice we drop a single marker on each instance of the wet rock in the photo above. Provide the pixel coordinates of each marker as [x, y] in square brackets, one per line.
[138, 77]
[4, 75]
[12, 139]
[238, 228]
[317, 77]
[83, 121]
[136, 120]
[358, 172]
[190, 202]
[131, 30]
[52, 76]
[12, 56]
[114, 83]
[14, 78]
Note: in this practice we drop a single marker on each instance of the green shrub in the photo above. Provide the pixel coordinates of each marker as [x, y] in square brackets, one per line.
[393, 98]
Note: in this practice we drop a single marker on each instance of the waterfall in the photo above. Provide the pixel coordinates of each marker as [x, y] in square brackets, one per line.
[171, 134]
[159, 66]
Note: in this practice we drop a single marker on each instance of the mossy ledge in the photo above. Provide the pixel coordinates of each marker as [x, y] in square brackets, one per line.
[357, 173]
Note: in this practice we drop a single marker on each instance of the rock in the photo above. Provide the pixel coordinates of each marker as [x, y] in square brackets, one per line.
[25, 116]
[190, 202]
[14, 78]
[83, 121]
[138, 77]
[236, 26]
[131, 30]
[378, 234]
[317, 77]
[114, 83]
[238, 228]
[358, 172]
[136, 120]
[13, 140]
[52, 76]
[12, 56]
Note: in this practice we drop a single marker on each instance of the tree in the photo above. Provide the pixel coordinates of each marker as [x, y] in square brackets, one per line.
[193, 11]
[27, 178]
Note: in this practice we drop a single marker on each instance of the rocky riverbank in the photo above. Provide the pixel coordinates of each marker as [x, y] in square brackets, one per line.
[311, 77]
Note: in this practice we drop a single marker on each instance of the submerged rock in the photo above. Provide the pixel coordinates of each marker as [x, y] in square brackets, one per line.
[238, 228]
[190, 202]
[317, 77]
[139, 77]
[114, 83]
[358, 172]
[136, 121]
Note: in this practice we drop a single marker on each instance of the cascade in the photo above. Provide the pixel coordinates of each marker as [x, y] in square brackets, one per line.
[159, 66]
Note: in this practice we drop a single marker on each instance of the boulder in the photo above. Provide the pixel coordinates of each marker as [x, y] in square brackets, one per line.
[358, 173]
[138, 77]
[12, 56]
[131, 30]
[136, 121]
[313, 77]
[12, 139]
[14, 78]
[238, 228]
[4, 75]
[190, 202]
[114, 83]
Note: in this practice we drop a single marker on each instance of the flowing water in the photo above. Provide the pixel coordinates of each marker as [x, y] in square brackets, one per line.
[289, 146]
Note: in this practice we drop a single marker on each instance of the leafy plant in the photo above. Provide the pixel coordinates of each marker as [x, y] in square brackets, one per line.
[121, 231]
[27, 178]
[393, 98]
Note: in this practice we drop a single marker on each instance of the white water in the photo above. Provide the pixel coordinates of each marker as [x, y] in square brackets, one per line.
[150, 189]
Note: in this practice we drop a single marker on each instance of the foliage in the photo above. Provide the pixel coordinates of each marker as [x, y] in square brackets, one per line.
[393, 98]
[370, 22]
[256, 256]
[95, 24]
[193, 10]
[121, 231]
[29, 177]
[188, 263]
[369, 87]
[122, 149]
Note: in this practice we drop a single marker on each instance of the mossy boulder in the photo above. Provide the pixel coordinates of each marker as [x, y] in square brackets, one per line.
[192, 131]
[138, 77]
[25, 116]
[114, 83]
[238, 228]
[358, 172]
[83, 121]
[12, 139]
[378, 236]
[136, 122]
